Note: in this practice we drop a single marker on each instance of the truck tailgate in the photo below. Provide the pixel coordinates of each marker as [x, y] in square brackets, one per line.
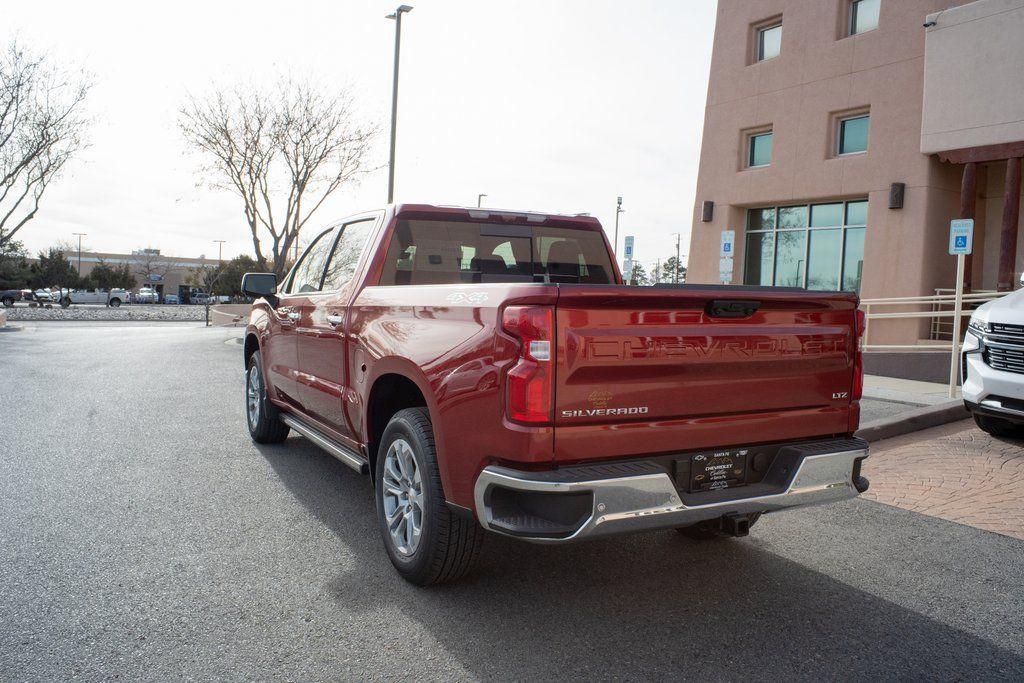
[643, 370]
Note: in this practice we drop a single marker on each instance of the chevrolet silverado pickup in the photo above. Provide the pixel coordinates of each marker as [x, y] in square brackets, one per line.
[491, 372]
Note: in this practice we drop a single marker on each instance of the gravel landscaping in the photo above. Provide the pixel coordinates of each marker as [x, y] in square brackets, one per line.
[155, 313]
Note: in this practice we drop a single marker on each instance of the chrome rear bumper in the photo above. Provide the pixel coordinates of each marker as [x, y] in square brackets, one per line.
[636, 496]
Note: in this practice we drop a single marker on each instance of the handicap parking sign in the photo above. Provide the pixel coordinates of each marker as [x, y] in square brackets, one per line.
[961, 236]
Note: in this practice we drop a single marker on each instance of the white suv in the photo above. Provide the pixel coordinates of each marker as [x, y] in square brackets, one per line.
[992, 365]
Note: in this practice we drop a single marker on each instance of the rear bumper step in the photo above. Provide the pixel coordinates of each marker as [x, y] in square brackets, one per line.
[575, 503]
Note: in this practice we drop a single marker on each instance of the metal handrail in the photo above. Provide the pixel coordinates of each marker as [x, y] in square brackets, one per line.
[937, 315]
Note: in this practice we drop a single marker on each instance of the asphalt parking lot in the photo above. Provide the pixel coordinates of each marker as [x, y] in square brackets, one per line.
[143, 536]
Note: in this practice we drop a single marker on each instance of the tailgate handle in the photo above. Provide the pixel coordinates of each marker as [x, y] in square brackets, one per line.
[731, 308]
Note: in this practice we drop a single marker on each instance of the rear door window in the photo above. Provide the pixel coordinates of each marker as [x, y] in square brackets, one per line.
[442, 252]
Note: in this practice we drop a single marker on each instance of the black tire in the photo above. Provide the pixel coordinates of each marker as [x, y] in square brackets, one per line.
[114, 303]
[8, 302]
[65, 302]
[267, 426]
[710, 529]
[448, 544]
[999, 427]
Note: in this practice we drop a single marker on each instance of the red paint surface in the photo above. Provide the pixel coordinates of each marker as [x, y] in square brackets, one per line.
[641, 371]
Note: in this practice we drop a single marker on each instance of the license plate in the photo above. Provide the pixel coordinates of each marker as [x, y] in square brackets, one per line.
[718, 470]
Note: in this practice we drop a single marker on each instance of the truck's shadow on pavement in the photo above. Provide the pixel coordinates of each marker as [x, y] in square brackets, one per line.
[650, 606]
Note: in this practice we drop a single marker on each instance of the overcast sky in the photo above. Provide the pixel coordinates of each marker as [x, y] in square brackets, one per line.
[548, 106]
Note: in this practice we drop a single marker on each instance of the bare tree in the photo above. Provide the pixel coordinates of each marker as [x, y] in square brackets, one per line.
[41, 127]
[282, 151]
[148, 262]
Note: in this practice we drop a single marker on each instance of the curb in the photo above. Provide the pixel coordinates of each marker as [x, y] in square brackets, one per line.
[914, 420]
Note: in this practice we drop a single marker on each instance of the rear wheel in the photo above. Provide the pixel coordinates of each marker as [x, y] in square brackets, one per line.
[425, 541]
[262, 416]
[65, 302]
[999, 427]
[8, 302]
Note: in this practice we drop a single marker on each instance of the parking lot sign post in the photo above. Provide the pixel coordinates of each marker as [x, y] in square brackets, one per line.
[961, 243]
[725, 256]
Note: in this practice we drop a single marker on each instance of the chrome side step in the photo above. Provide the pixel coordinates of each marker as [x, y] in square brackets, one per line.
[343, 454]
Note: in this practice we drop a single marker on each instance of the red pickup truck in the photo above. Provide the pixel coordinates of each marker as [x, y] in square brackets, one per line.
[491, 372]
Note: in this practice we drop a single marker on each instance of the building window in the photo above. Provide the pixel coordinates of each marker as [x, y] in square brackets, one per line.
[817, 246]
[863, 16]
[759, 149]
[853, 134]
[769, 41]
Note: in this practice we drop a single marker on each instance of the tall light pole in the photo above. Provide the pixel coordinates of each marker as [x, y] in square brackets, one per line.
[220, 249]
[80, 236]
[480, 200]
[618, 210]
[397, 16]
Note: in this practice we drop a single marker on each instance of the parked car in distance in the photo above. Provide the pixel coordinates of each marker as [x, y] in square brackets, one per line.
[44, 296]
[992, 365]
[9, 296]
[492, 373]
[113, 298]
[171, 299]
[200, 298]
[146, 295]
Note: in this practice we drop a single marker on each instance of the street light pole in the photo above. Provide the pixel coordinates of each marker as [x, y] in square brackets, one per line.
[618, 210]
[80, 236]
[220, 250]
[480, 200]
[397, 16]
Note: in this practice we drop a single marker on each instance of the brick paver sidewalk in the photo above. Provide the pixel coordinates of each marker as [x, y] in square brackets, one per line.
[956, 472]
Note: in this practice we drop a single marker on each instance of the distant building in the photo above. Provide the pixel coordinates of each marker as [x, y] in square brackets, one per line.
[166, 274]
[842, 136]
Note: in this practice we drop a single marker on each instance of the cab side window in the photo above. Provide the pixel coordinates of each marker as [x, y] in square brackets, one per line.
[342, 266]
[309, 273]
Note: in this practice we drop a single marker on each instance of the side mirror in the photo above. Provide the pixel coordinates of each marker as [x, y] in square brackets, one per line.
[261, 285]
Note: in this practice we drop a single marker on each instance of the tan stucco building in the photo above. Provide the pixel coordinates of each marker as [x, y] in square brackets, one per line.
[842, 136]
[166, 274]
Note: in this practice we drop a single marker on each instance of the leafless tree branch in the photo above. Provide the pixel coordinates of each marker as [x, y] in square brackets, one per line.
[42, 126]
[282, 151]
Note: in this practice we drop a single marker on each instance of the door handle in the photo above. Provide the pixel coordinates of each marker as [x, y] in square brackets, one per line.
[335, 320]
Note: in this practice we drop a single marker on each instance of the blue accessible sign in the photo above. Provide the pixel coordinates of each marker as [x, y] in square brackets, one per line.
[961, 236]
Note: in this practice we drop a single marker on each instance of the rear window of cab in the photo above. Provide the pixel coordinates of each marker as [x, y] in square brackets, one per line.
[423, 252]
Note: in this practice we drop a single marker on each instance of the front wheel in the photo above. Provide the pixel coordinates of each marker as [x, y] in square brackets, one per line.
[262, 416]
[115, 303]
[8, 302]
[999, 427]
[65, 302]
[425, 541]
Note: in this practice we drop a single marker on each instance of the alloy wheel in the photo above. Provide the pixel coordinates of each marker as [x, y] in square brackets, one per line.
[403, 497]
[252, 395]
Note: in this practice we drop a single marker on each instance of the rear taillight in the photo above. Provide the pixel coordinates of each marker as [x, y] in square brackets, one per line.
[858, 356]
[529, 386]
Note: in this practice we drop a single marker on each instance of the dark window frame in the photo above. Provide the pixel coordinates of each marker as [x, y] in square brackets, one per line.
[841, 122]
[851, 29]
[751, 137]
[759, 38]
[806, 229]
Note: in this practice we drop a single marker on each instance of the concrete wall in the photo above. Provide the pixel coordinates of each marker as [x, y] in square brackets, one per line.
[971, 55]
[819, 73]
